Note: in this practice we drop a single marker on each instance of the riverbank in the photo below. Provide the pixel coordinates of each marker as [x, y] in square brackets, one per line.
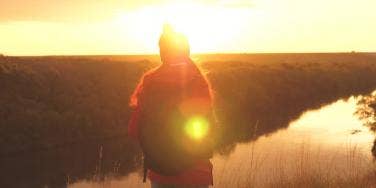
[49, 101]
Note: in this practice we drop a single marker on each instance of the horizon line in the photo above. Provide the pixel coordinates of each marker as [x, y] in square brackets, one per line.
[193, 54]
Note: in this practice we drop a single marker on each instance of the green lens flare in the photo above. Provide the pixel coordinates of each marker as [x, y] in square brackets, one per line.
[196, 128]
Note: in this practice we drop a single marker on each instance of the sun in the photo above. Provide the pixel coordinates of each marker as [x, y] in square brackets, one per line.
[208, 28]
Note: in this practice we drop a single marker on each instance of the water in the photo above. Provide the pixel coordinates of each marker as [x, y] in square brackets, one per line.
[330, 141]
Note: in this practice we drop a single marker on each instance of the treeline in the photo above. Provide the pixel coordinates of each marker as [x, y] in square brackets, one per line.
[51, 101]
[259, 94]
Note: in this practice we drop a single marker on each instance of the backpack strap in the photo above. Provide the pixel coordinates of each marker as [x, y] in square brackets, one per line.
[145, 170]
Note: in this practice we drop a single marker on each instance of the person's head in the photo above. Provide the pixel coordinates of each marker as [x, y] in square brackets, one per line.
[173, 46]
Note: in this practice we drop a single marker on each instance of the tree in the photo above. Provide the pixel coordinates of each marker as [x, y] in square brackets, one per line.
[367, 113]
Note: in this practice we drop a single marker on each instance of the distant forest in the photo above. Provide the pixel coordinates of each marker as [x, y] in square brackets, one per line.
[48, 102]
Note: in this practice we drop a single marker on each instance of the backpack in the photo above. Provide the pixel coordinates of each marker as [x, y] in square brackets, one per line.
[172, 141]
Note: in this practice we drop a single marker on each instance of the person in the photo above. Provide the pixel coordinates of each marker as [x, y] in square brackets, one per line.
[170, 77]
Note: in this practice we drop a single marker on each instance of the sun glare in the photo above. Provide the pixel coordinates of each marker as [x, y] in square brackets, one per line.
[206, 27]
[196, 128]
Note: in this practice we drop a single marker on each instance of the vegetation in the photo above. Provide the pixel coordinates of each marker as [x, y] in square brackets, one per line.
[46, 102]
[309, 170]
[49, 101]
[272, 90]
[367, 110]
[91, 161]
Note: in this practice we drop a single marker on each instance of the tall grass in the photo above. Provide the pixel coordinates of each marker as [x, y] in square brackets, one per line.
[310, 168]
[304, 166]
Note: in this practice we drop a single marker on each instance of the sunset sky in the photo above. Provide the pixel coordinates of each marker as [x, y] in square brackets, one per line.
[73, 27]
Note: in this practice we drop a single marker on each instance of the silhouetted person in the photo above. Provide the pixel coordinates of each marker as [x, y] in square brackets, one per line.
[173, 92]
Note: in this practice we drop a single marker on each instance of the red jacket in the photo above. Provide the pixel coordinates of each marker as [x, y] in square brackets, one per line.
[201, 173]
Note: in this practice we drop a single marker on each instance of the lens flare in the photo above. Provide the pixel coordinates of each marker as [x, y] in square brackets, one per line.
[196, 128]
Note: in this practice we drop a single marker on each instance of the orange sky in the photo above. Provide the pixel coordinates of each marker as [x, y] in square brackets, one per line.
[55, 27]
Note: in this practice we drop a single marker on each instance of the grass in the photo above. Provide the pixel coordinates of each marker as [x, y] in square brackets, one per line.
[306, 175]
[304, 167]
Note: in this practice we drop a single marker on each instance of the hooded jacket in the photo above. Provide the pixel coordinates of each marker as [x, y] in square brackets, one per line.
[172, 77]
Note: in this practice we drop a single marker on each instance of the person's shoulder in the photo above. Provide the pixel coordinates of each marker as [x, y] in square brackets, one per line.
[151, 74]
